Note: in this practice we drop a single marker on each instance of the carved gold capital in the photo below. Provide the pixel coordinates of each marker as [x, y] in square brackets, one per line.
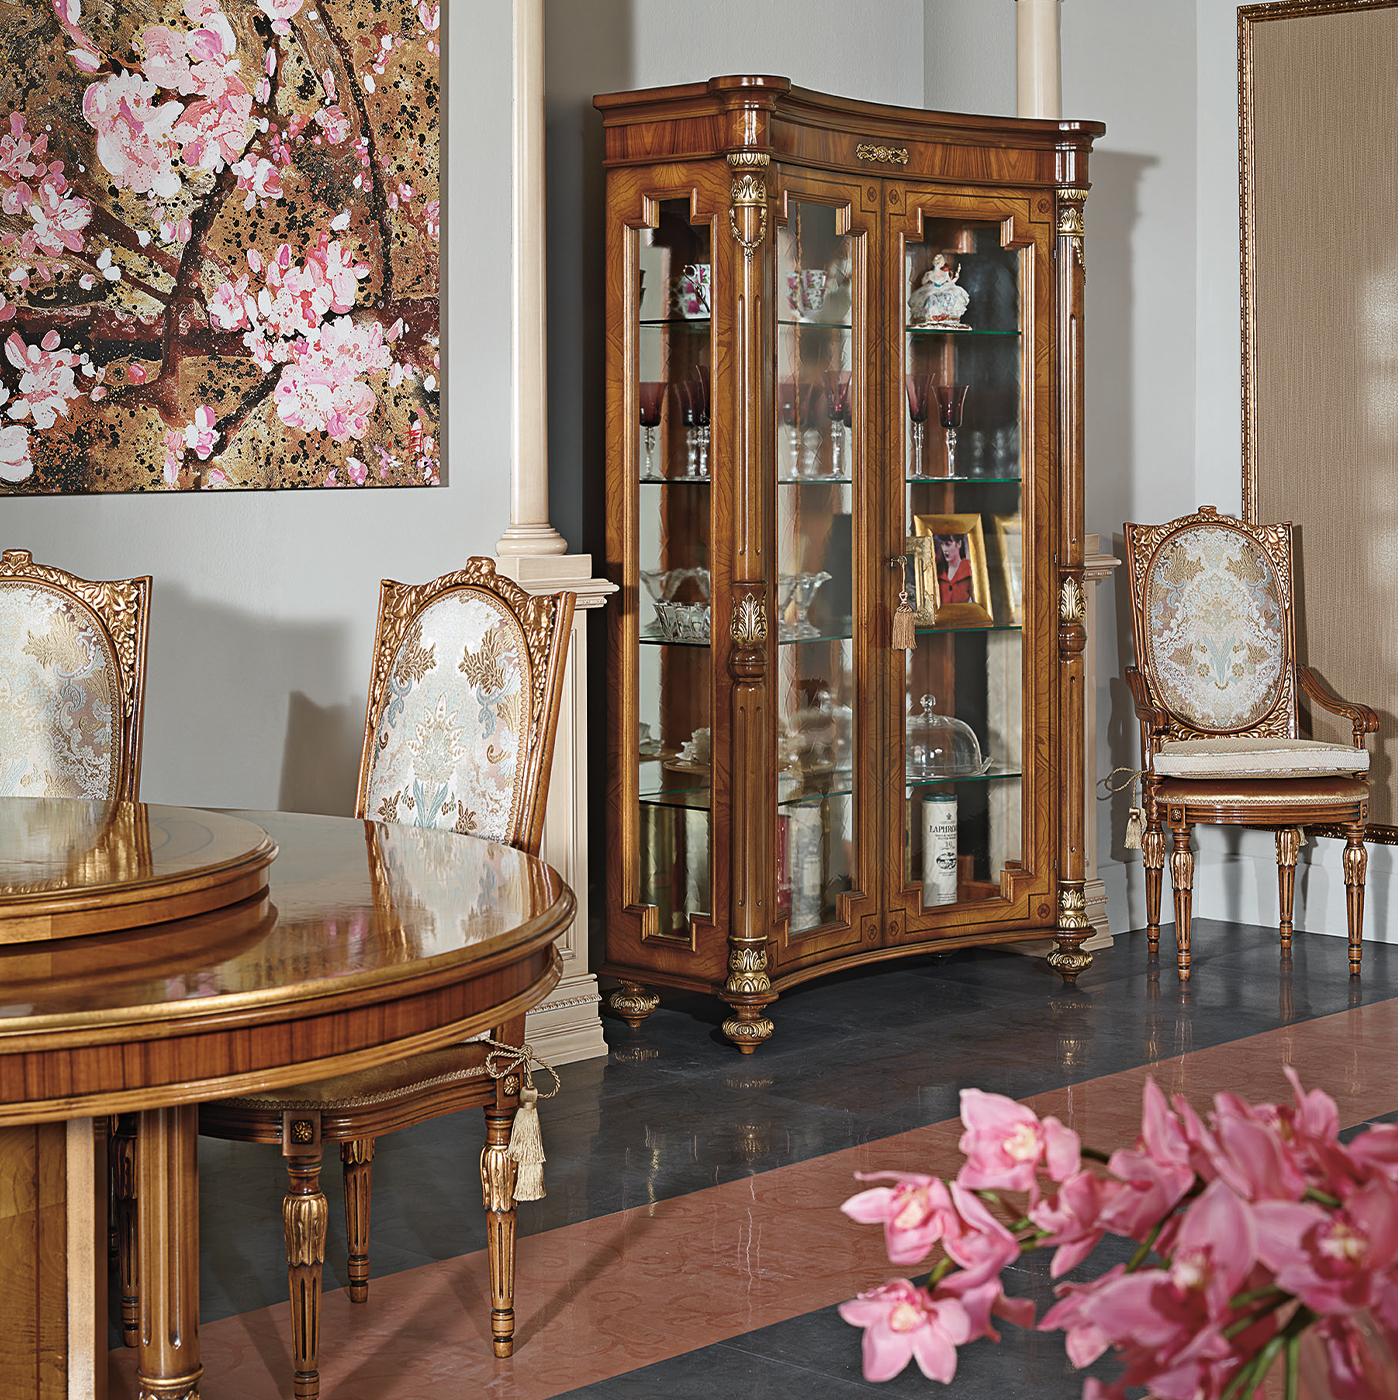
[304, 1224]
[1354, 866]
[882, 155]
[1072, 915]
[748, 622]
[1071, 600]
[748, 199]
[1069, 218]
[748, 160]
[748, 970]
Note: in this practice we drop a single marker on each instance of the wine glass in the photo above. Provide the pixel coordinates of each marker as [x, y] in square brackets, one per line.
[651, 394]
[802, 597]
[838, 398]
[787, 407]
[916, 391]
[813, 408]
[700, 400]
[951, 398]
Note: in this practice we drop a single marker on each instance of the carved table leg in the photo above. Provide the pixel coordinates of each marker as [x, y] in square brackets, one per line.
[1183, 872]
[357, 1166]
[632, 1002]
[304, 1214]
[124, 1199]
[1354, 873]
[167, 1254]
[498, 1196]
[1154, 856]
[1286, 842]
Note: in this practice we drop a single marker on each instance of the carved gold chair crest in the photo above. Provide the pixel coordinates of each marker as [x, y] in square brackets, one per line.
[1216, 690]
[459, 735]
[72, 681]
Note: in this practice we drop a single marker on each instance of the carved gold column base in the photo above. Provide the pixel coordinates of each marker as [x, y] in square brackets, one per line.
[1068, 957]
[498, 1196]
[632, 1002]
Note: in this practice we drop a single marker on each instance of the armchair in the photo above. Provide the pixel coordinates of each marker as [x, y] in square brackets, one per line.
[1216, 694]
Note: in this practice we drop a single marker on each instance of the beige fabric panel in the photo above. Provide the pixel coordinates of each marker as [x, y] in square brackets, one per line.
[1324, 136]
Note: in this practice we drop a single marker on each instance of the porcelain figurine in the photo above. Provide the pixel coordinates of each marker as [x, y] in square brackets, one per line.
[938, 300]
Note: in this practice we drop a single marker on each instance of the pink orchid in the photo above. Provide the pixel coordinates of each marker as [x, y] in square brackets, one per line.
[984, 1301]
[1355, 1369]
[980, 1244]
[1337, 1262]
[1152, 1177]
[1072, 1220]
[916, 1212]
[902, 1323]
[1075, 1314]
[1005, 1144]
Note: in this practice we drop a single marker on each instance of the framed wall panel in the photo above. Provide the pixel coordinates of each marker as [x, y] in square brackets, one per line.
[1318, 335]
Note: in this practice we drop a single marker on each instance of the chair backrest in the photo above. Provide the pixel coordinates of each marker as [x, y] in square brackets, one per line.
[463, 704]
[72, 681]
[1212, 602]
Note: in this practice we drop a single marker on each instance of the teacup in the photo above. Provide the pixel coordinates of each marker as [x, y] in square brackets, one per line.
[691, 293]
[807, 292]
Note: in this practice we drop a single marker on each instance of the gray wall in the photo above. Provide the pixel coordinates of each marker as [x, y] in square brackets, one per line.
[263, 613]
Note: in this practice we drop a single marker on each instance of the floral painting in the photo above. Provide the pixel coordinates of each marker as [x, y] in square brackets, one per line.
[218, 244]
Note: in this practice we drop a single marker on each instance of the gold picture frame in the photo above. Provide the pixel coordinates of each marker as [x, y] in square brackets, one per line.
[962, 598]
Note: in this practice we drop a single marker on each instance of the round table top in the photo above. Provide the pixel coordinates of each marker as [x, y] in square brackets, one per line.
[70, 868]
[371, 941]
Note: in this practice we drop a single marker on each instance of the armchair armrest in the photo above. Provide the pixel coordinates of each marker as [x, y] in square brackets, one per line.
[1148, 714]
[1364, 720]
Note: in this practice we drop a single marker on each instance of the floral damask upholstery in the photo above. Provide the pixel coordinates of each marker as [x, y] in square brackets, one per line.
[448, 734]
[60, 713]
[1215, 627]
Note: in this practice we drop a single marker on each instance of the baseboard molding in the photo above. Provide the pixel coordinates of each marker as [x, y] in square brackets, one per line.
[566, 1027]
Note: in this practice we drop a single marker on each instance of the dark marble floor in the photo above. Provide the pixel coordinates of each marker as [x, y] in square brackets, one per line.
[674, 1109]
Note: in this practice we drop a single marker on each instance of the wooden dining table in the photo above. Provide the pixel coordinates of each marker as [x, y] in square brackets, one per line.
[152, 958]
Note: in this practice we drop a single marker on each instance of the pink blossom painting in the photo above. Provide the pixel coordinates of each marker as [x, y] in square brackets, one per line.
[218, 244]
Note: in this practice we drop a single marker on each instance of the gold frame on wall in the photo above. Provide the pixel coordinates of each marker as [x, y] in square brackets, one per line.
[1247, 18]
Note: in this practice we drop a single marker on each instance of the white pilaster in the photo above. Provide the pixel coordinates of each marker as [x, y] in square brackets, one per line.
[1099, 564]
[1038, 58]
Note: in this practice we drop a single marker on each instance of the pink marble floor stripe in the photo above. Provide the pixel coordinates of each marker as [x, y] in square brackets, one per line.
[608, 1295]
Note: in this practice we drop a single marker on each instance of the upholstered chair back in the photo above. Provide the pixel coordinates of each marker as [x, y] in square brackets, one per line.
[72, 672]
[464, 697]
[1212, 604]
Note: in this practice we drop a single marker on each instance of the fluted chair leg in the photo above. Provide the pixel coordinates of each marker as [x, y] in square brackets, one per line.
[498, 1196]
[1354, 874]
[1183, 873]
[1286, 843]
[357, 1164]
[304, 1214]
[1154, 848]
[123, 1170]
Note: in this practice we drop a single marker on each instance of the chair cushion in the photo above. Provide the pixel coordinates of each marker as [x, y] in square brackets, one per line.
[1273, 796]
[466, 1060]
[1256, 758]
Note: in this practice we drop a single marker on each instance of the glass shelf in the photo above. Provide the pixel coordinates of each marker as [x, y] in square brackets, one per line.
[941, 330]
[674, 480]
[651, 638]
[995, 774]
[818, 637]
[698, 323]
[963, 480]
[682, 792]
[698, 798]
[971, 627]
[815, 325]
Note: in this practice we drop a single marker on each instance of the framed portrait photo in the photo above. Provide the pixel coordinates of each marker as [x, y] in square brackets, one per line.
[951, 573]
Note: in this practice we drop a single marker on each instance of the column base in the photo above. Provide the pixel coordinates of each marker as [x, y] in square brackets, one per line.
[565, 1026]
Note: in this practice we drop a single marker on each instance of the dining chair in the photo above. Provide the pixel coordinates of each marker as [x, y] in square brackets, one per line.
[72, 700]
[464, 697]
[1217, 691]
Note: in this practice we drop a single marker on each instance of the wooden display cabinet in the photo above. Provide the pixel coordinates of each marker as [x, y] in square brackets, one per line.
[782, 802]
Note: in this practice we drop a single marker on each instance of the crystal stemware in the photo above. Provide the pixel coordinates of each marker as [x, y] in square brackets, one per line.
[813, 405]
[951, 398]
[787, 407]
[651, 394]
[802, 597]
[838, 398]
[700, 401]
[916, 391]
[685, 398]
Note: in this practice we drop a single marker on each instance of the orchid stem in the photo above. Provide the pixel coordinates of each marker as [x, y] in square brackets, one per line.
[1094, 1155]
[1321, 1197]
[1290, 1368]
[1144, 1249]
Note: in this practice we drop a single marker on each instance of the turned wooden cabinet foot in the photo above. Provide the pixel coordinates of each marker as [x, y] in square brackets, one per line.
[167, 1254]
[748, 1028]
[357, 1163]
[498, 1197]
[632, 1002]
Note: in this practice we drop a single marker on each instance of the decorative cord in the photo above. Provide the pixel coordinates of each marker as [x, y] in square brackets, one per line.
[503, 1059]
[1110, 787]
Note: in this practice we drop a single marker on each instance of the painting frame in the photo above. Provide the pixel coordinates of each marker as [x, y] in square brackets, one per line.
[1011, 558]
[933, 605]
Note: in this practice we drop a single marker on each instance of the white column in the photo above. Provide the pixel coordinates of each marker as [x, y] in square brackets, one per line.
[1038, 58]
[1099, 564]
[529, 531]
[566, 1026]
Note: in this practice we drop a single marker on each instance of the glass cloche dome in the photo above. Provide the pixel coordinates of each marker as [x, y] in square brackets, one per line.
[940, 746]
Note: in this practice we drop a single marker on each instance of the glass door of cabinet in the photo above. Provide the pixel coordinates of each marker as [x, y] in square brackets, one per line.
[674, 530]
[822, 488]
[968, 278]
